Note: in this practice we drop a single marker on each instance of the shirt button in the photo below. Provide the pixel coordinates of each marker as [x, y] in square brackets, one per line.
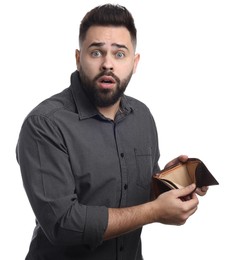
[125, 186]
[122, 155]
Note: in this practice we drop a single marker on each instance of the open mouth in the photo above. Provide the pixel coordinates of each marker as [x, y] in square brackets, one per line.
[106, 82]
[107, 79]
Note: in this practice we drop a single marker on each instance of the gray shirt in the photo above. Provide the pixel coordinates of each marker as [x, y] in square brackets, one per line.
[75, 164]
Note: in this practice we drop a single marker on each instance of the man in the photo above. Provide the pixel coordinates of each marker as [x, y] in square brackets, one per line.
[87, 154]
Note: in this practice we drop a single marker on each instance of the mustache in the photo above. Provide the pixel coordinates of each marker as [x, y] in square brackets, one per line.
[107, 73]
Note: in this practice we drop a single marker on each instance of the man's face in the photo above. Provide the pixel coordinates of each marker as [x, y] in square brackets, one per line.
[106, 62]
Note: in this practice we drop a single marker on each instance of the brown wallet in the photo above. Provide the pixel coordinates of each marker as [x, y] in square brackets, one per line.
[181, 175]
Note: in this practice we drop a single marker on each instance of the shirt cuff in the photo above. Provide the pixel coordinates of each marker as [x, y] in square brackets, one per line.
[96, 224]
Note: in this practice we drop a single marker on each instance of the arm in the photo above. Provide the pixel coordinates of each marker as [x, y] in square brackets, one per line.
[50, 186]
[168, 208]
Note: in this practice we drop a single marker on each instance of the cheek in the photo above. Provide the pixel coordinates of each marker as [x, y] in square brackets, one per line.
[90, 68]
[124, 71]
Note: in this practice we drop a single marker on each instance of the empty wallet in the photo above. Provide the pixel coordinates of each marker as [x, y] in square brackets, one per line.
[181, 175]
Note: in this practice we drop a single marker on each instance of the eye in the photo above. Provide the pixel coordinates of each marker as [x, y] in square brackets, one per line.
[120, 55]
[96, 53]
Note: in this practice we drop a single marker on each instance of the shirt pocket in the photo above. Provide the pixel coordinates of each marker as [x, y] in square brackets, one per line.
[144, 164]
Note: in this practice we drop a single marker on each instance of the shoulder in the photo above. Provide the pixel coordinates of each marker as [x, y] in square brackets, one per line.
[54, 104]
[45, 114]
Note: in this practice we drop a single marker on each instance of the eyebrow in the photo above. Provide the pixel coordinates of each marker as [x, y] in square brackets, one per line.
[100, 44]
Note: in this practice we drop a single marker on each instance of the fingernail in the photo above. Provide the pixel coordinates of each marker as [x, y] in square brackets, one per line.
[193, 185]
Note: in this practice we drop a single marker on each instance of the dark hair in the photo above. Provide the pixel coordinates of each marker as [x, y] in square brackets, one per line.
[108, 15]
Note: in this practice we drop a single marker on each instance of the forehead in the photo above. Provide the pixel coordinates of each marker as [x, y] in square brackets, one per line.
[108, 35]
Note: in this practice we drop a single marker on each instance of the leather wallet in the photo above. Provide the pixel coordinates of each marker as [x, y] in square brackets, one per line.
[181, 175]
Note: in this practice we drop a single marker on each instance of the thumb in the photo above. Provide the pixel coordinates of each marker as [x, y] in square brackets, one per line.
[187, 190]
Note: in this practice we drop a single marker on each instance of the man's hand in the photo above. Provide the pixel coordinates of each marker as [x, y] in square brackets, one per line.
[172, 209]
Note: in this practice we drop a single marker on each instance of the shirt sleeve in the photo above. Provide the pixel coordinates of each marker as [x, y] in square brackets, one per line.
[50, 186]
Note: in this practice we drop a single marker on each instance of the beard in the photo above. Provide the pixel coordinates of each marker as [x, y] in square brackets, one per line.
[103, 97]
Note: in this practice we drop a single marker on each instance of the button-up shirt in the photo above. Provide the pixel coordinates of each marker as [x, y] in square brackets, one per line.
[75, 164]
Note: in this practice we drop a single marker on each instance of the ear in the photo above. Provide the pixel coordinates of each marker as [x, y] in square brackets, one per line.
[136, 61]
[77, 58]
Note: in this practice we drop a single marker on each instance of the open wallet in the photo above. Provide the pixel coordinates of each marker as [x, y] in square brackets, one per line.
[181, 175]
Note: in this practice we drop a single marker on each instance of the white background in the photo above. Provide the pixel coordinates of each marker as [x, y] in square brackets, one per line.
[182, 76]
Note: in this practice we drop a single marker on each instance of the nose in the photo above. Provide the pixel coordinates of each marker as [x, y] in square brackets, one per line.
[107, 63]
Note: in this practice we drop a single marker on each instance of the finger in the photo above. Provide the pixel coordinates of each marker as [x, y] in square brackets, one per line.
[191, 212]
[204, 188]
[192, 204]
[202, 191]
[186, 190]
[182, 158]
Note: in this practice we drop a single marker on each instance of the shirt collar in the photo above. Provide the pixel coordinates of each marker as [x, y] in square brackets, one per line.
[85, 107]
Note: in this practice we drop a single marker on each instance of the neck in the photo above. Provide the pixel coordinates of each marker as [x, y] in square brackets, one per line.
[110, 112]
